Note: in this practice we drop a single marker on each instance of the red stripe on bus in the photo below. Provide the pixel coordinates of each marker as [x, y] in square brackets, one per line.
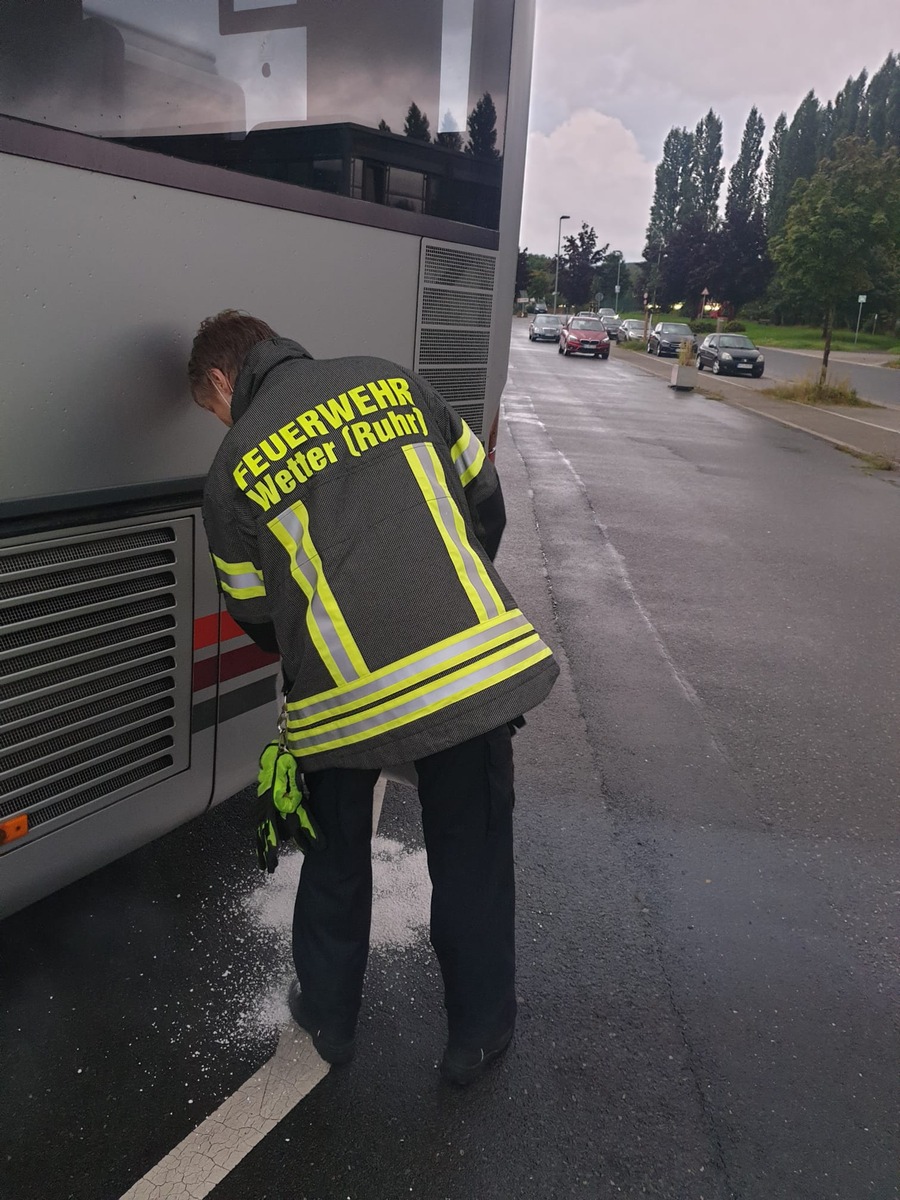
[230, 665]
[214, 628]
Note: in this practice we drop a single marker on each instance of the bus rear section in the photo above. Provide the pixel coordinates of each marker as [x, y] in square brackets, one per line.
[129, 702]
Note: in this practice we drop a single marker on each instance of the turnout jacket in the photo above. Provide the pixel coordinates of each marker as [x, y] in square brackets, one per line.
[347, 511]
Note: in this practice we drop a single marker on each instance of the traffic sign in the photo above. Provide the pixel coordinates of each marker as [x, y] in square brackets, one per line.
[861, 300]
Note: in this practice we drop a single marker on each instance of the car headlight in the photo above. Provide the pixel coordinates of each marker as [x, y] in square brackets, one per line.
[572, 340]
[760, 359]
[725, 356]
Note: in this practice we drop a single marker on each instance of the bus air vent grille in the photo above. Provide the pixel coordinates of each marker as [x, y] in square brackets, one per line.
[448, 267]
[129, 781]
[472, 310]
[433, 347]
[59, 630]
[453, 335]
[95, 667]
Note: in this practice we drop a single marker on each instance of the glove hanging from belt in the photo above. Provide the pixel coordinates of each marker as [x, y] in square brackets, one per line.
[281, 812]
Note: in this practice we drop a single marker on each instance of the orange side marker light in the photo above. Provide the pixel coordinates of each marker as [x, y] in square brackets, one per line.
[15, 827]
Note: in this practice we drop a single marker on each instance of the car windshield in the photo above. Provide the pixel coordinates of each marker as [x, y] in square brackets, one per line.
[736, 343]
[547, 321]
[684, 329]
[584, 323]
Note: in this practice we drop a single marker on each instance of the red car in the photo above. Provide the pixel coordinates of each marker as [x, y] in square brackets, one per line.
[584, 335]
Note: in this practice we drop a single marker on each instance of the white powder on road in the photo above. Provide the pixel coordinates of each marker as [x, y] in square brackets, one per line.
[401, 900]
[401, 895]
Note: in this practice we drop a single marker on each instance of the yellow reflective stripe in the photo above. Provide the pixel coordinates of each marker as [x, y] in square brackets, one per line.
[444, 692]
[411, 659]
[453, 653]
[467, 455]
[473, 576]
[469, 474]
[241, 580]
[324, 620]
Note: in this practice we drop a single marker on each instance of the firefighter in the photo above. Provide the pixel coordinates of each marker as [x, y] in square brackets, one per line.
[353, 518]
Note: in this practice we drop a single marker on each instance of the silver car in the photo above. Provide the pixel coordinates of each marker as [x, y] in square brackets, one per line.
[544, 327]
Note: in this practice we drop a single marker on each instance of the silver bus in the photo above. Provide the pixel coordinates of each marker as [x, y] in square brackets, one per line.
[352, 173]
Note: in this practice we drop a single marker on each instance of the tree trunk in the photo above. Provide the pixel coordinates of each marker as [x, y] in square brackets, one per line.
[829, 326]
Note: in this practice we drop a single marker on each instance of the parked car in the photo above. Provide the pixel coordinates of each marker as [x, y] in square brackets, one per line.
[544, 327]
[667, 337]
[612, 325]
[607, 312]
[631, 330]
[584, 335]
[731, 353]
[540, 308]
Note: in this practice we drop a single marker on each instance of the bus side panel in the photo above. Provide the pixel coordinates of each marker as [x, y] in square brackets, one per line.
[108, 278]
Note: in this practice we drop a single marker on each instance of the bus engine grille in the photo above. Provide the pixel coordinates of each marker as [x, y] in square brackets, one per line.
[453, 333]
[95, 662]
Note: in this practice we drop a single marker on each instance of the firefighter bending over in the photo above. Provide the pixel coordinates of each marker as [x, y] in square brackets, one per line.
[353, 519]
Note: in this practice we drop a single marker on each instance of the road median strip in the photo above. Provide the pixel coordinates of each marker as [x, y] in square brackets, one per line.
[870, 437]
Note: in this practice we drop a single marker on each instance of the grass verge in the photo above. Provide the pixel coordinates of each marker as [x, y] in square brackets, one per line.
[809, 337]
[875, 462]
[809, 391]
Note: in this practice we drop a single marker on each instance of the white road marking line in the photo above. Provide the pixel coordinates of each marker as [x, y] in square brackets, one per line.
[216, 1146]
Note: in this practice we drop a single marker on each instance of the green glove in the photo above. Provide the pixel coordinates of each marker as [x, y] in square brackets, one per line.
[281, 813]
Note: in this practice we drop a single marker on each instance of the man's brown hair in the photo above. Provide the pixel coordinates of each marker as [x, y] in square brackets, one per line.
[224, 341]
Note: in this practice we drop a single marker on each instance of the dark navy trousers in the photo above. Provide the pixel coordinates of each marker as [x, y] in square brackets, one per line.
[467, 799]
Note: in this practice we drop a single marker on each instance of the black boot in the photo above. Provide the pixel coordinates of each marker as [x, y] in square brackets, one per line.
[335, 1046]
[463, 1063]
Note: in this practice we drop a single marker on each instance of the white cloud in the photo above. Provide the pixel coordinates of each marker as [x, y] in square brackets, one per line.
[590, 167]
[644, 66]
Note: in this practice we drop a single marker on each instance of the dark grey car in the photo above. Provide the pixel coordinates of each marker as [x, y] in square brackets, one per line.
[544, 328]
[731, 354]
[667, 337]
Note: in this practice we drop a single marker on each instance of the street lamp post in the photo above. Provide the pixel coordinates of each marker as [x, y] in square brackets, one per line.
[618, 274]
[558, 247]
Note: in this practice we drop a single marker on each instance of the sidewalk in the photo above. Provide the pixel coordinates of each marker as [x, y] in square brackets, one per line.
[874, 431]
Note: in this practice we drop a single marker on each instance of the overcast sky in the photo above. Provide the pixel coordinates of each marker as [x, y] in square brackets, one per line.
[611, 77]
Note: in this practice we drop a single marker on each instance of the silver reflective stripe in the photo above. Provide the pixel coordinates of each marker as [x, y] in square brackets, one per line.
[475, 575]
[416, 667]
[467, 455]
[242, 580]
[429, 699]
[319, 614]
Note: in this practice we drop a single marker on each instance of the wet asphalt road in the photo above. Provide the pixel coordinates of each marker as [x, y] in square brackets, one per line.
[707, 864]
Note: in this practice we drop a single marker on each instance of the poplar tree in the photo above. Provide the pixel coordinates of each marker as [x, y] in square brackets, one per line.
[707, 172]
[774, 178]
[745, 266]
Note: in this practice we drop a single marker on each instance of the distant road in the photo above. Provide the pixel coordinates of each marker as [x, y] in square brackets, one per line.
[878, 384]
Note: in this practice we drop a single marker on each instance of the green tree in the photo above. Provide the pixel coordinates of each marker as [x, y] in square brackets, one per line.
[842, 233]
[775, 189]
[883, 99]
[672, 187]
[707, 171]
[745, 259]
[416, 125]
[482, 126]
[578, 264]
[523, 274]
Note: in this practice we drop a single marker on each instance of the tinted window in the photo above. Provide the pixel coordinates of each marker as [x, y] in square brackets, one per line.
[546, 321]
[584, 323]
[736, 343]
[312, 92]
[676, 329]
